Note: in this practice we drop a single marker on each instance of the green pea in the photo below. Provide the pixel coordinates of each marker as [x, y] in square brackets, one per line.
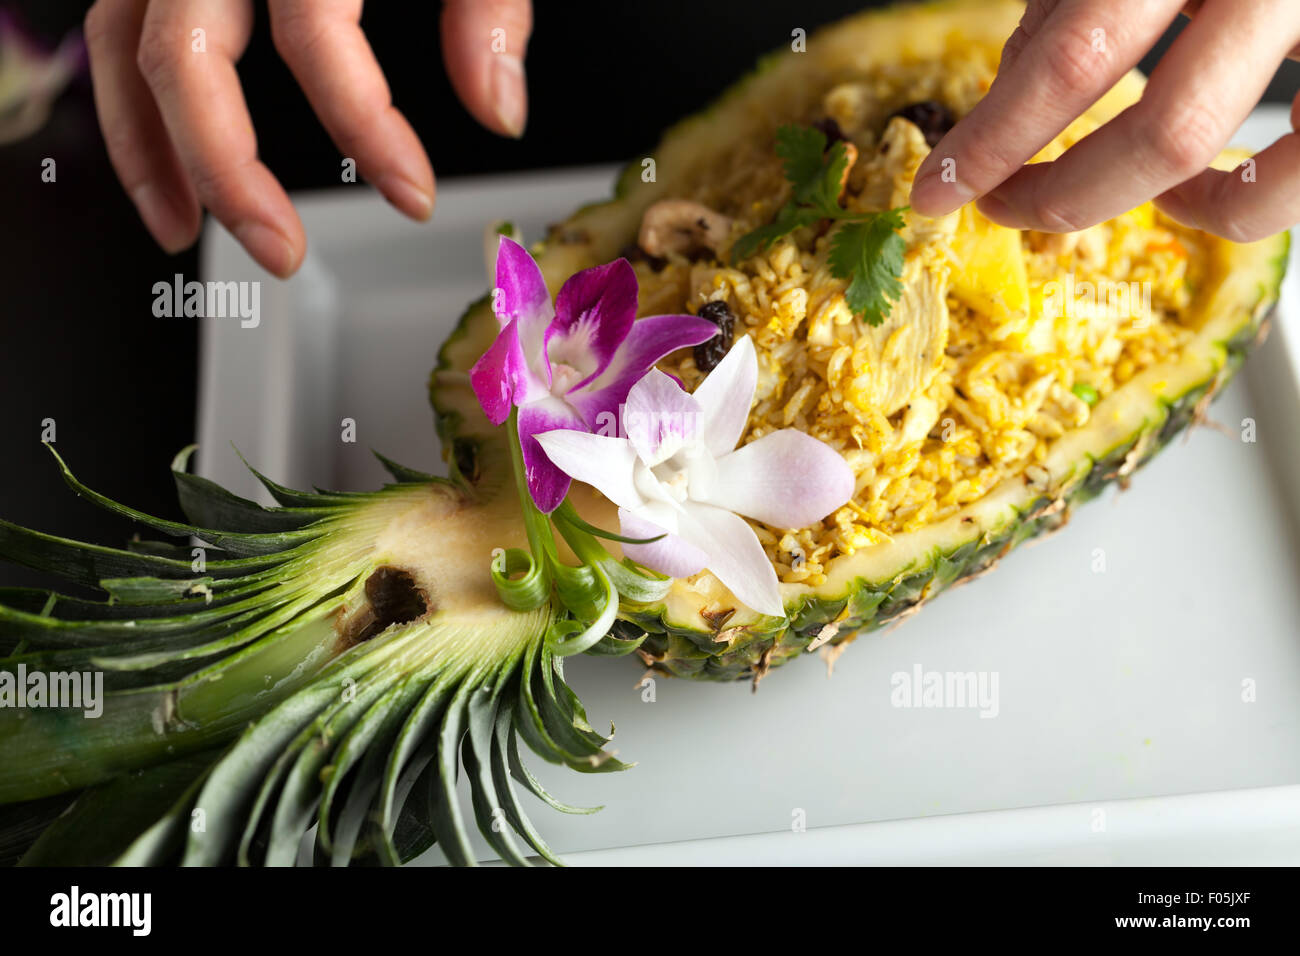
[1086, 392]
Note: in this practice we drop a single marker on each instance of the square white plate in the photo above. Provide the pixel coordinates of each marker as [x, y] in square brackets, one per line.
[1118, 689]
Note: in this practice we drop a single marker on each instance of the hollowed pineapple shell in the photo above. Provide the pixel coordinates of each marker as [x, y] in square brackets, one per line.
[693, 632]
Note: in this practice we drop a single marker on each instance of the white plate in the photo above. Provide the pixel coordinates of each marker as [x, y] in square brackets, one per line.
[1114, 687]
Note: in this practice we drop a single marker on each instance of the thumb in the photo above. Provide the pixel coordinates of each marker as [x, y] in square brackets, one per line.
[483, 43]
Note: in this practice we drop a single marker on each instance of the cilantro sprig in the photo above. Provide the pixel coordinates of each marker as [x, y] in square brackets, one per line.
[869, 254]
[866, 251]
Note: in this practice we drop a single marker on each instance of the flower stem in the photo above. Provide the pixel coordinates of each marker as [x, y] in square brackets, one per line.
[524, 578]
[540, 539]
[589, 592]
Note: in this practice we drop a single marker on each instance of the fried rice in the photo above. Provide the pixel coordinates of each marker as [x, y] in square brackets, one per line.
[927, 426]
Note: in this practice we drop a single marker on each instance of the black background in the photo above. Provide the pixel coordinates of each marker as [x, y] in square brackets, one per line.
[373, 908]
[78, 342]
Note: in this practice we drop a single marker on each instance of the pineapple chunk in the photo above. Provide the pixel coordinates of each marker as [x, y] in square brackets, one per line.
[991, 277]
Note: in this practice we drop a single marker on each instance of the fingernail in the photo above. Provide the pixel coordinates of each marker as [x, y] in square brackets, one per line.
[934, 196]
[162, 218]
[997, 210]
[406, 196]
[509, 95]
[269, 247]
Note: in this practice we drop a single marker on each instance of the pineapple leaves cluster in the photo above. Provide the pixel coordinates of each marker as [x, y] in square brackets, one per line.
[240, 711]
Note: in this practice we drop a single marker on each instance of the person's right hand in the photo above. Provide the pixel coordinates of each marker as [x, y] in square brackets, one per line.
[180, 137]
[1063, 57]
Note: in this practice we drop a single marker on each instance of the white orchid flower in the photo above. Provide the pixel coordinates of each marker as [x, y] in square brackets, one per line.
[678, 473]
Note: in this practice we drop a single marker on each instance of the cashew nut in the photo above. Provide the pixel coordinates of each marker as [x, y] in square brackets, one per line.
[679, 225]
[851, 152]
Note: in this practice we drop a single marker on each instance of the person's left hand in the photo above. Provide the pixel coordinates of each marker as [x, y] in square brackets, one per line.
[179, 133]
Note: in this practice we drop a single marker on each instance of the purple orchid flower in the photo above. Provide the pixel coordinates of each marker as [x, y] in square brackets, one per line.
[677, 473]
[571, 366]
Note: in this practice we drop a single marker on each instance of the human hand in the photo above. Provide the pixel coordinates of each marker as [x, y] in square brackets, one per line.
[1064, 55]
[180, 137]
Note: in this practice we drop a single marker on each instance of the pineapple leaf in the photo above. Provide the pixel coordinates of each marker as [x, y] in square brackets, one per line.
[136, 800]
[401, 474]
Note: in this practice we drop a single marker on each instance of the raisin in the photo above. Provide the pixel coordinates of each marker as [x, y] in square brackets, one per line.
[709, 354]
[931, 117]
[720, 314]
[831, 130]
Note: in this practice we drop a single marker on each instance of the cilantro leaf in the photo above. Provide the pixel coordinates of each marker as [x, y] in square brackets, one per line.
[815, 173]
[869, 254]
[813, 170]
[801, 149]
[867, 251]
[824, 193]
[789, 218]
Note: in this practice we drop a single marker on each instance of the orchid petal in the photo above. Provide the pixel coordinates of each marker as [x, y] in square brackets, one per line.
[662, 515]
[669, 555]
[652, 490]
[547, 483]
[521, 291]
[501, 377]
[651, 338]
[726, 395]
[659, 418]
[786, 479]
[521, 296]
[734, 555]
[603, 462]
[593, 314]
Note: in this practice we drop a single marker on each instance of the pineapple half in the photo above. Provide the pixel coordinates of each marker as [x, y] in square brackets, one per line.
[338, 660]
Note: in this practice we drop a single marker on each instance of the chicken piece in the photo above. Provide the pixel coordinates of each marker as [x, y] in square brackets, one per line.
[921, 415]
[887, 182]
[852, 106]
[904, 353]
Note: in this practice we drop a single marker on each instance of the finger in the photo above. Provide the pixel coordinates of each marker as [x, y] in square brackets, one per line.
[138, 147]
[1192, 7]
[1257, 199]
[322, 42]
[1196, 98]
[1031, 23]
[1078, 52]
[188, 50]
[483, 43]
